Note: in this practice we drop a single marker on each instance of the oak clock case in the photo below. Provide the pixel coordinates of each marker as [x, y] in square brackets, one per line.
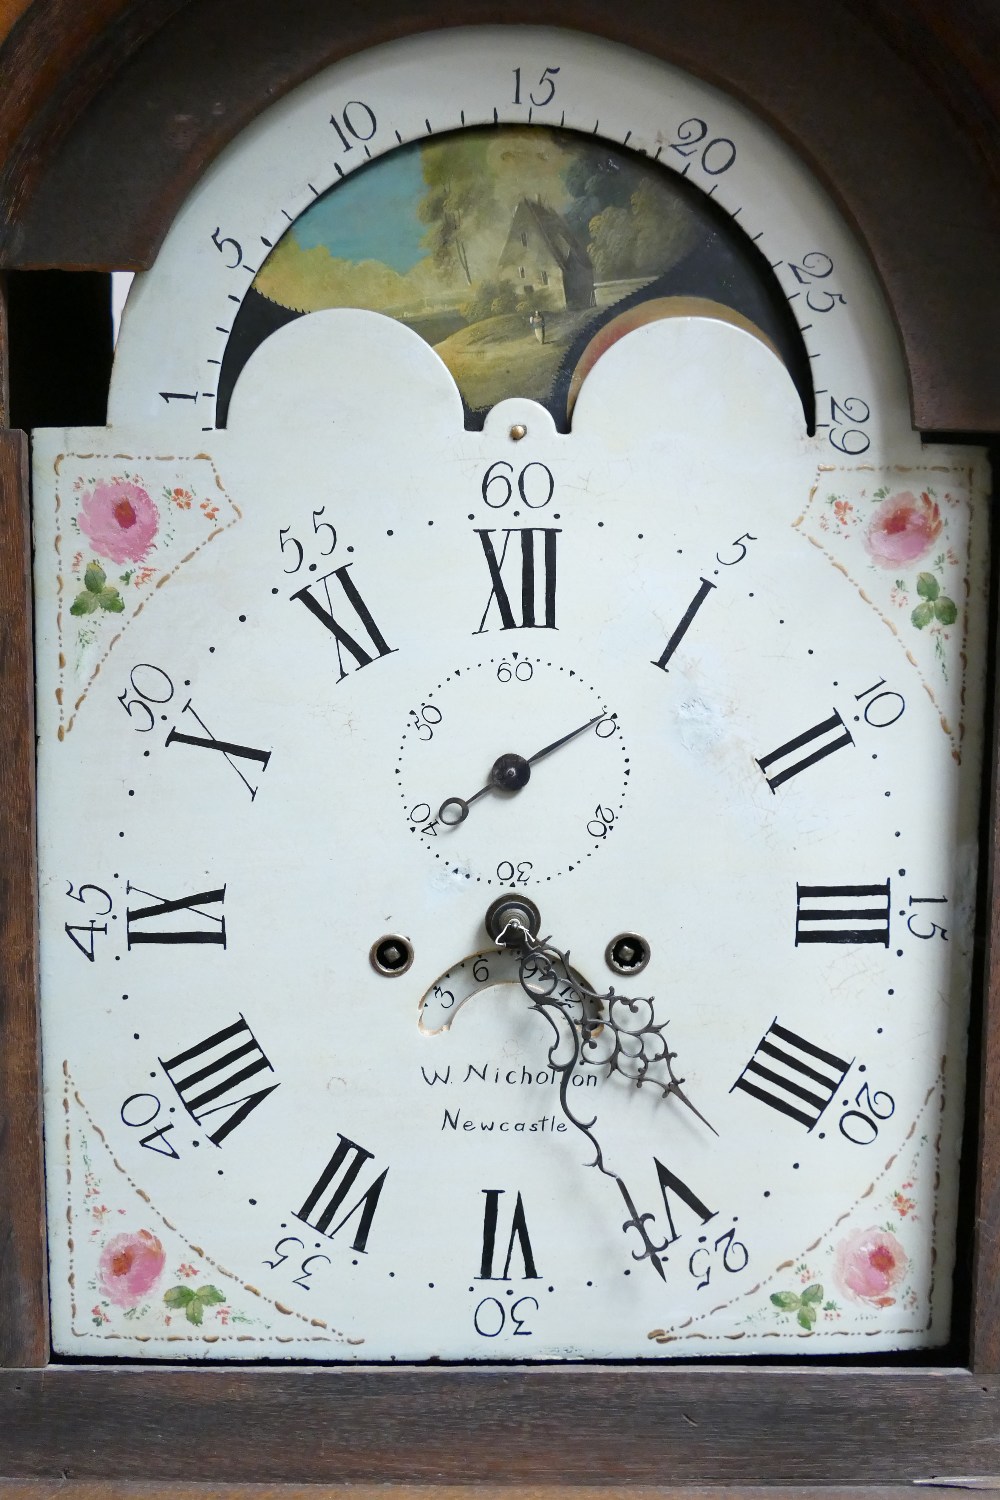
[300, 1102]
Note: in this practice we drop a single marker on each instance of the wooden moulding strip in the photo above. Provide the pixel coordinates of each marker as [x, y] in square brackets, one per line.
[23, 1302]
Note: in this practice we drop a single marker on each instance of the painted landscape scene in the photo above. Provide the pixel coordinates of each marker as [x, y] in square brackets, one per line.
[510, 250]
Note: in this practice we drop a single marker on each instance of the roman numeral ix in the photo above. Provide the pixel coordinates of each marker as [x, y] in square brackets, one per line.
[211, 928]
[537, 596]
[364, 651]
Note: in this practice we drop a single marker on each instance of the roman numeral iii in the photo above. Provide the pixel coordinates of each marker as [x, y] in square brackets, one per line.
[842, 914]
[335, 1182]
[792, 1075]
[535, 573]
[368, 643]
[210, 1077]
[518, 1232]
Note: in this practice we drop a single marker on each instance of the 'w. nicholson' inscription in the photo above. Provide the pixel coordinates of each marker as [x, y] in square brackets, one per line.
[512, 1077]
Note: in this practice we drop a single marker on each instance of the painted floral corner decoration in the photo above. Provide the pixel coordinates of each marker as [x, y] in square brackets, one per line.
[124, 527]
[130, 1275]
[863, 1271]
[902, 537]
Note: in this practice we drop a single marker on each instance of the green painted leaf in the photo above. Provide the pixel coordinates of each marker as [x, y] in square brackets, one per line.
[923, 614]
[787, 1301]
[805, 1319]
[208, 1295]
[83, 604]
[927, 586]
[813, 1293]
[195, 1311]
[178, 1296]
[110, 599]
[95, 578]
[945, 610]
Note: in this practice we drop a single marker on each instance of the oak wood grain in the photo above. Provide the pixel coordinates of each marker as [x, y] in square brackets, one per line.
[23, 1306]
[543, 1426]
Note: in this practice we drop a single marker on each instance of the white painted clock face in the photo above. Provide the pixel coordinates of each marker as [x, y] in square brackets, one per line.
[283, 664]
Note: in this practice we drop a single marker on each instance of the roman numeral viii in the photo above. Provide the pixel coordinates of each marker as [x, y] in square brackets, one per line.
[536, 599]
[335, 1182]
[210, 1077]
[367, 643]
[518, 1232]
[792, 1075]
[842, 914]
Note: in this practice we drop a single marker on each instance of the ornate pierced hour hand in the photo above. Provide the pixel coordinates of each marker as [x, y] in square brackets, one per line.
[509, 773]
[600, 1030]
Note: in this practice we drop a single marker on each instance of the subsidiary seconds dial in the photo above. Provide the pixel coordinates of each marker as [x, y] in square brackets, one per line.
[513, 770]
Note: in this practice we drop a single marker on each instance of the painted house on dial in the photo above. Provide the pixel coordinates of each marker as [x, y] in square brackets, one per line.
[544, 260]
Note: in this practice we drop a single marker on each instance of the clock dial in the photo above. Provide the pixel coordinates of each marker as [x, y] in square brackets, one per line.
[319, 687]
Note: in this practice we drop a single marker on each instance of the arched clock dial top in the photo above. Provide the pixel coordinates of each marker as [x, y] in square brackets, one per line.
[689, 681]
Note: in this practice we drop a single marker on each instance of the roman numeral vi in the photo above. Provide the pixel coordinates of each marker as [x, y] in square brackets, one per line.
[518, 1232]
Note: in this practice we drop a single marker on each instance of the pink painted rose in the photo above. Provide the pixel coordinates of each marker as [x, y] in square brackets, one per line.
[120, 520]
[869, 1264]
[903, 529]
[130, 1266]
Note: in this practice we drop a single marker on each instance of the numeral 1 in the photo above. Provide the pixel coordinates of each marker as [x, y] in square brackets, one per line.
[324, 1202]
[225, 747]
[529, 572]
[821, 911]
[213, 1073]
[518, 1231]
[824, 735]
[683, 624]
[342, 639]
[213, 933]
[792, 1075]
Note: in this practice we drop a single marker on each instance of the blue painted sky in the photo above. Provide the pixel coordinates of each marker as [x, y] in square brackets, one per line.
[371, 215]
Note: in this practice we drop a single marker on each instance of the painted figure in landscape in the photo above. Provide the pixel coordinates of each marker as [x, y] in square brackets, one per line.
[519, 254]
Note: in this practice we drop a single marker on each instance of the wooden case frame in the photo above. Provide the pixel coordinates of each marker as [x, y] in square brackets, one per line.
[109, 111]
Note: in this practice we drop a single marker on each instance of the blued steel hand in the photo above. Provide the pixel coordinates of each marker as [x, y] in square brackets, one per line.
[509, 774]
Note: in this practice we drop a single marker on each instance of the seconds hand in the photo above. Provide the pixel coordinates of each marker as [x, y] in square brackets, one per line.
[509, 774]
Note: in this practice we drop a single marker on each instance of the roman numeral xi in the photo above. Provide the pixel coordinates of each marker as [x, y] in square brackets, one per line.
[367, 643]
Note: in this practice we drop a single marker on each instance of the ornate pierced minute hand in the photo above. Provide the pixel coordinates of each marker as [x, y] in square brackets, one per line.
[600, 1030]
